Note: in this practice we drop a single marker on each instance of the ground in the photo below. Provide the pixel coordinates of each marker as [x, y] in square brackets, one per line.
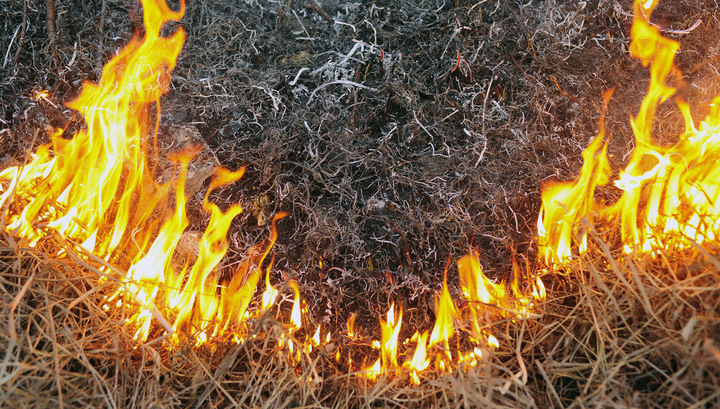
[398, 135]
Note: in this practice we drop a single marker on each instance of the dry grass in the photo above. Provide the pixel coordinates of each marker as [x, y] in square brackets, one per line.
[616, 331]
[382, 185]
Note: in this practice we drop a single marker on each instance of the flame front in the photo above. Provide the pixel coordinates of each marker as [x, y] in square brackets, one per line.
[669, 194]
[486, 302]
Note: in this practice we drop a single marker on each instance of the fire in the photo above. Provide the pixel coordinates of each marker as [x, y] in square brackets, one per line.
[669, 194]
[296, 313]
[419, 361]
[446, 311]
[97, 190]
[486, 301]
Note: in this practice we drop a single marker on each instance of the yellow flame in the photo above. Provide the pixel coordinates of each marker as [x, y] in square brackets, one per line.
[670, 195]
[445, 311]
[98, 190]
[390, 329]
[351, 325]
[270, 294]
[482, 293]
[295, 314]
[419, 361]
[566, 205]
[316, 337]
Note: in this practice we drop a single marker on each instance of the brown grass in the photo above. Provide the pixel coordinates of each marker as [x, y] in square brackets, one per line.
[382, 186]
[616, 331]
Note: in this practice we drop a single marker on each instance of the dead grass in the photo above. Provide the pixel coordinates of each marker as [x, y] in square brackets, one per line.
[616, 331]
[382, 184]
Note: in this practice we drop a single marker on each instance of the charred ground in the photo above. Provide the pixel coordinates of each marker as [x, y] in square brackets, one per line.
[398, 136]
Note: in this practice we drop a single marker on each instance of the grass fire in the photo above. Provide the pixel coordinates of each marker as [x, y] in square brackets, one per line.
[233, 213]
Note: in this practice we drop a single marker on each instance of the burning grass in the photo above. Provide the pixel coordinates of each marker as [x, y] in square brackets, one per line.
[619, 329]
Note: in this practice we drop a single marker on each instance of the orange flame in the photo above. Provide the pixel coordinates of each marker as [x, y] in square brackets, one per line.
[388, 346]
[670, 195]
[419, 361]
[98, 189]
[566, 205]
[487, 300]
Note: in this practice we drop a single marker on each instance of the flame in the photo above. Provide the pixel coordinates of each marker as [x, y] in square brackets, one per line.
[446, 311]
[270, 294]
[98, 190]
[566, 205]
[390, 332]
[487, 300]
[351, 325]
[482, 292]
[387, 361]
[669, 194]
[296, 313]
[419, 361]
[315, 340]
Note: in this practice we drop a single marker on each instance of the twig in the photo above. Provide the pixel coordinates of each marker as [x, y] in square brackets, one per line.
[549, 383]
[312, 5]
[7, 53]
[422, 126]
[565, 94]
[101, 28]
[297, 76]
[149, 305]
[685, 31]
[487, 94]
[13, 306]
[56, 359]
[15, 181]
[21, 42]
[50, 21]
[345, 82]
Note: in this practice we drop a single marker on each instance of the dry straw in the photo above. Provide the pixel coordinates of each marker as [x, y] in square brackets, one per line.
[616, 331]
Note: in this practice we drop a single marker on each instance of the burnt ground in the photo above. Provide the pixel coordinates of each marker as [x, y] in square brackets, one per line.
[398, 134]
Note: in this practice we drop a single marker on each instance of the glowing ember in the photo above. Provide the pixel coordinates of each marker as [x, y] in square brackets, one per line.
[669, 194]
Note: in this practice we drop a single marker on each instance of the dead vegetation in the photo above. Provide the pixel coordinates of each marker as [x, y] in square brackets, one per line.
[616, 331]
[397, 135]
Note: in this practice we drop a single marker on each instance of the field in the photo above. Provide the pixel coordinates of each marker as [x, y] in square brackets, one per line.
[398, 137]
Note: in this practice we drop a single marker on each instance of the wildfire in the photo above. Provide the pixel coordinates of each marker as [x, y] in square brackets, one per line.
[98, 191]
[486, 301]
[669, 194]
